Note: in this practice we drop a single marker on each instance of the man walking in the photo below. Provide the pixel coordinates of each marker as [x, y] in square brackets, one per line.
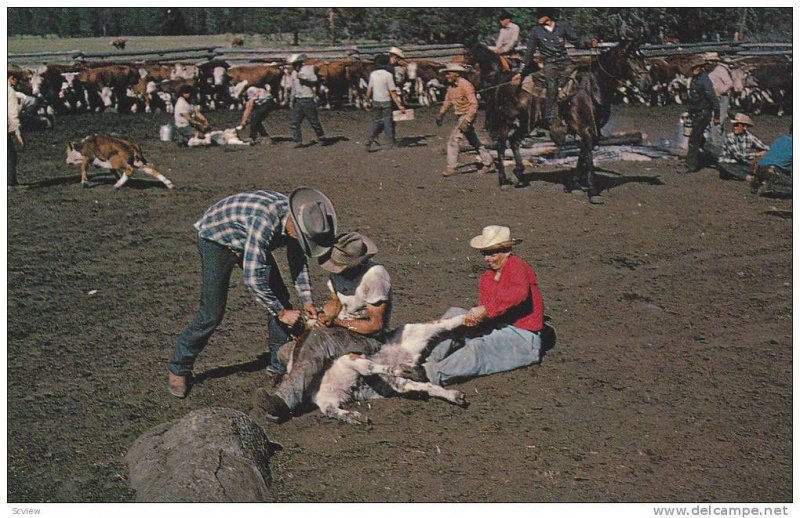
[304, 79]
[461, 95]
[14, 130]
[246, 229]
[703, 105]
[382, 91]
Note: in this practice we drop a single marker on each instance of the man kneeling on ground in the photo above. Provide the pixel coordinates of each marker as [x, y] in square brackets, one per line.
[507, 322]
[740, 150]
[353, 320]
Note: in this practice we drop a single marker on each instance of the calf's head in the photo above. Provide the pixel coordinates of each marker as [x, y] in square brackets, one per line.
[74, 155]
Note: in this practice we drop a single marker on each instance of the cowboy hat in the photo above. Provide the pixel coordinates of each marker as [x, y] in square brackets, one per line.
[294, 58]
[454, 67]
[314, 219]
[493, 236]
[397, 52]
[549, 12]
[350, 249]
[711, 56]
[741, 118]
[698, 62]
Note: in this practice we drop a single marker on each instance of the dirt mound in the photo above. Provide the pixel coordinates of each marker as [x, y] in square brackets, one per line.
[210, 455]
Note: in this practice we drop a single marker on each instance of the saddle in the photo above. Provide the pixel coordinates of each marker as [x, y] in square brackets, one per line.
[534, 84]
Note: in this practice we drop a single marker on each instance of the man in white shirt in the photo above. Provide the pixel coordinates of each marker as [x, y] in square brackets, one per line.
[381, 91]
[508, 37]
[304, 80]
[188, 117]
[353, 320]
[14, 131]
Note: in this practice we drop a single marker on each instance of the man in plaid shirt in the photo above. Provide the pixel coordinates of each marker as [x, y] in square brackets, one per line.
[740, 150]
[245, 229]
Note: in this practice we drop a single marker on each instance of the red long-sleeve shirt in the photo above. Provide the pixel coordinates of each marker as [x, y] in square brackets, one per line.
[514, 298]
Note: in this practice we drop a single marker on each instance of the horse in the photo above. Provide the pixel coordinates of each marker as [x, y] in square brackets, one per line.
[512, 112]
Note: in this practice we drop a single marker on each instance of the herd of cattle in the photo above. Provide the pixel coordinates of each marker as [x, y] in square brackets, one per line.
[760, 83]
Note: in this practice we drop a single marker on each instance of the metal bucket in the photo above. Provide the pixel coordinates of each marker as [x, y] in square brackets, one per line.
[166, 133]
[687, 124]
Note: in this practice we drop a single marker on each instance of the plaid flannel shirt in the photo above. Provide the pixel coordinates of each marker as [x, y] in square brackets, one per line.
[252, 224]
[742, 148]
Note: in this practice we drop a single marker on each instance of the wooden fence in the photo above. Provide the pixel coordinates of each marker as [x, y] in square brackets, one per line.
[442, 52]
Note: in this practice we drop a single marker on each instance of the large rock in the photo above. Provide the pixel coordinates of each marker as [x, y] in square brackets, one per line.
[210, 455]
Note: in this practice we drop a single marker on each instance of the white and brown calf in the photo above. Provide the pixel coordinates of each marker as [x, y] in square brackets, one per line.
[108, 152]
[402, 349]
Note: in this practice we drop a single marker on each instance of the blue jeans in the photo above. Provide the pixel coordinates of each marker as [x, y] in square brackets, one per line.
[382, 121]
[499, 350]
[217, 264]
[305, 108]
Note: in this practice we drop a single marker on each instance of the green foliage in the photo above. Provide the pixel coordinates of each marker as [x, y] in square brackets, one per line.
[400, 25]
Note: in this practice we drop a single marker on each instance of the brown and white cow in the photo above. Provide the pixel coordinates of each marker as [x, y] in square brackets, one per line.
[101, 81]
[121, 156]
[237, 42]
[119, 43]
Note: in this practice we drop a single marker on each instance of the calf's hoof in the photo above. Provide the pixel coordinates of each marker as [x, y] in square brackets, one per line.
[596, 200]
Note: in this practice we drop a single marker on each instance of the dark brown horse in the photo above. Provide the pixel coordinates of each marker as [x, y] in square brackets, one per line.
[513, 112]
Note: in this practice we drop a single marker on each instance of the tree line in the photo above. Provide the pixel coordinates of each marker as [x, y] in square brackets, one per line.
[401, 25]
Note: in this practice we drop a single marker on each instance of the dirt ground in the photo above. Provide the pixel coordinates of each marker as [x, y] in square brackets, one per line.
[671, 377]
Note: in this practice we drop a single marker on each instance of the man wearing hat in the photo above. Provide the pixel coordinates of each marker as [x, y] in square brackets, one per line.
[507, 38]
[461, 95]
[304, 80]
[703, 105]
[550, 39]
[507, 321]
[722, 80]
[740, 150]
[353, 320]
[245, 229]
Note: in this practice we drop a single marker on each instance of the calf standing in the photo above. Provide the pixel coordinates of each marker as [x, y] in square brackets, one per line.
[112, 153]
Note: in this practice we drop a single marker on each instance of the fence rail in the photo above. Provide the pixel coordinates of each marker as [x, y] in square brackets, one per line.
[441, 52]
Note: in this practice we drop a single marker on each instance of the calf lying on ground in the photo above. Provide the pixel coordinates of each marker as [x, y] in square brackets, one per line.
[113, 153]
[341, 381]
[227, 137]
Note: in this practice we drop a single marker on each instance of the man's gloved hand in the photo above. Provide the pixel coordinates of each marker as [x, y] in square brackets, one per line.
[439, 119]
[464, 125]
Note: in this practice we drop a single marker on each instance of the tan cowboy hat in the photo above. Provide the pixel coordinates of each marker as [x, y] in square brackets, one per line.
[314, 219]
[454, 67]
[698, 62]
[493, 236]
[741, 118]
[397, 52]
[711, 56]
[351, 249]
[294, 58]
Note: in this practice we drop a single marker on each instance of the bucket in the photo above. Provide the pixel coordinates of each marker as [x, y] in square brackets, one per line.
[166, 133]
[687, 124]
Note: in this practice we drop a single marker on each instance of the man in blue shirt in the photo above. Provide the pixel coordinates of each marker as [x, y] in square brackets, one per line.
[703, 107]
[245, 229]
[550, 39]
[775, 167]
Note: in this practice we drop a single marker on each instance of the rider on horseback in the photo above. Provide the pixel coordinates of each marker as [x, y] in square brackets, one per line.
[507, 40]
[550, 39]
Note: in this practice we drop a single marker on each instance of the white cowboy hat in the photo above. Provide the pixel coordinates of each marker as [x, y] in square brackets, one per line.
[314, 219]
[351, 249]
[711, 56]
[397, 52]
[294, 58]
[741, 118]
[454, 67]
[493, 236]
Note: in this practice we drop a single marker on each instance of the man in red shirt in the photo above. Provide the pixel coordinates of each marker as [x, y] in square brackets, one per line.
[507, 322]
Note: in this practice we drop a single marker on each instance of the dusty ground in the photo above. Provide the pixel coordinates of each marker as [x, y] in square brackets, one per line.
[671, 379]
